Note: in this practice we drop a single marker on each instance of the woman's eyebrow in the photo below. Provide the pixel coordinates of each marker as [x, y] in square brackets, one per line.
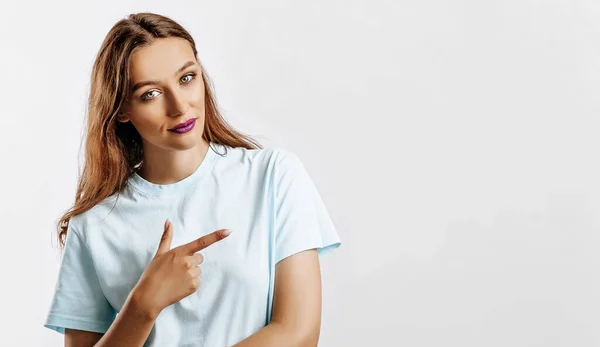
[145, 83]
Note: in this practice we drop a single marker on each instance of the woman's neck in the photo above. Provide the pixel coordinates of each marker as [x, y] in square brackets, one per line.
[162, 166]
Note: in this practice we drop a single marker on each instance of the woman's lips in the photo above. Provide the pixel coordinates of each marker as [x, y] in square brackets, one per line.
[184, 127]
[184, 124]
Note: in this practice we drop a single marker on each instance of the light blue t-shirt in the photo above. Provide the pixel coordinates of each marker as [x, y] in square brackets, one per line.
[265, 196]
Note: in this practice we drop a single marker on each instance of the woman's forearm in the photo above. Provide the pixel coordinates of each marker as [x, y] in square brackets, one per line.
[131, 327]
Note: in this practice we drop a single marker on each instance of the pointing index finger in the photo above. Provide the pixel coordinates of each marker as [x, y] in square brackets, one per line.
[205, 241]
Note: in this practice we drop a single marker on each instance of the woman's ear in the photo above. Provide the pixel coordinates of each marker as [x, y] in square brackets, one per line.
[122, 117]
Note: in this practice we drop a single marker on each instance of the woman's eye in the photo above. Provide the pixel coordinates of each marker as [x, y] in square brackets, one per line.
[191, 77]
[144, 96]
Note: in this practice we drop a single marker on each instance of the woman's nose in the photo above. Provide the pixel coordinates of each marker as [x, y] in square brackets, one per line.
[177, 104]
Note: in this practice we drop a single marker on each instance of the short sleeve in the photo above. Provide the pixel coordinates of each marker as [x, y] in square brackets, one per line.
[301, 219]
[78, 301]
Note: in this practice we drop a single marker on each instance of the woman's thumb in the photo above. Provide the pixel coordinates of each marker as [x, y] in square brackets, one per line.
[165, 242]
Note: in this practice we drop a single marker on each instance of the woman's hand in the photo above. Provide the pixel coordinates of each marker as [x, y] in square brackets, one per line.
[173, 273]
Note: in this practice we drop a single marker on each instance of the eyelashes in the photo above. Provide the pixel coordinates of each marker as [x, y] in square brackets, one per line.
[192, 76]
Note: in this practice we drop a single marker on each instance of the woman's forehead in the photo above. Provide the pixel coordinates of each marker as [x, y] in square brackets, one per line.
[160, 59]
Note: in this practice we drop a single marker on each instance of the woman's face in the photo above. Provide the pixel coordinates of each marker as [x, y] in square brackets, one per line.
[166, 90]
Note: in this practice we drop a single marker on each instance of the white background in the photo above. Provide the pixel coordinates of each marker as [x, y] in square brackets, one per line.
[455, 144]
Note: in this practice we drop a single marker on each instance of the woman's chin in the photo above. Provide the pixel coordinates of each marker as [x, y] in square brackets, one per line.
[184, 145]
[185, 142]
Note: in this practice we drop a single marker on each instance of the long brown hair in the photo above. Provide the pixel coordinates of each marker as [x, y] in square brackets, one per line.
[113, 150]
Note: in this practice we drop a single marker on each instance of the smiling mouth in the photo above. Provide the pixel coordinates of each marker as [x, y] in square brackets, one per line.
[183, 125]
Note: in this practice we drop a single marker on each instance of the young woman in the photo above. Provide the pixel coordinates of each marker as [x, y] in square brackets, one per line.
[184, 232]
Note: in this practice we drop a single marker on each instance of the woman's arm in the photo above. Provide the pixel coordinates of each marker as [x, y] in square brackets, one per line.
[130, 328]
[296, 317]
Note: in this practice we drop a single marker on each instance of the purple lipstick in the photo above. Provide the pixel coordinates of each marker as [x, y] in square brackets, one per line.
[184, 127]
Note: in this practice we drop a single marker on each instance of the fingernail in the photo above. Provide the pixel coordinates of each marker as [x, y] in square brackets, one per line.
[226, 232]
[167, 223]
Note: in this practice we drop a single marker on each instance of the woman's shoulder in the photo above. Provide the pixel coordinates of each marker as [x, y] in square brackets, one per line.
[268, 156]
[93, 216]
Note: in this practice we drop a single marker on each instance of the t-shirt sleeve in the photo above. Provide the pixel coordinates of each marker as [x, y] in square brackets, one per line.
[78, 301]
[301, 219]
